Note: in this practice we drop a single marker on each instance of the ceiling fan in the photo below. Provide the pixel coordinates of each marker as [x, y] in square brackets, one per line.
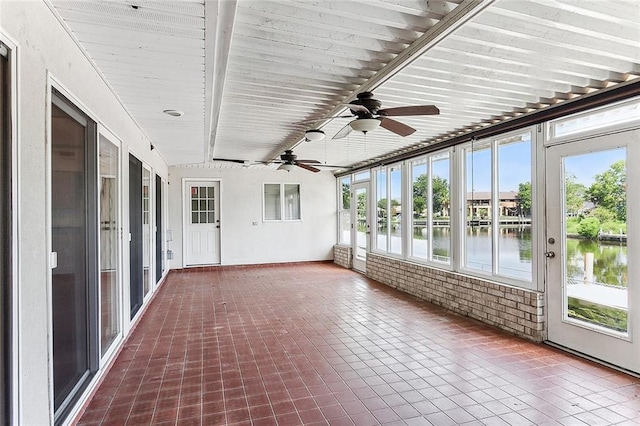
[288, 161]
[368, 116]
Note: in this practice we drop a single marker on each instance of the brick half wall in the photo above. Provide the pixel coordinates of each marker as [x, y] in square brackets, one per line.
[342, 256]
[512, 309]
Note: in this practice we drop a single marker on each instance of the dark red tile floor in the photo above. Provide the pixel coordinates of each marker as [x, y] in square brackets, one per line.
[313, 343]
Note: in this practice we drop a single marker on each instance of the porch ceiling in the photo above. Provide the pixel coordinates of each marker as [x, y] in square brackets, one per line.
[247, 72]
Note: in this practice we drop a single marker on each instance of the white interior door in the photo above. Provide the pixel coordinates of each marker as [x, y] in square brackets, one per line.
[593, 295]
[202, 223]
[361, 231]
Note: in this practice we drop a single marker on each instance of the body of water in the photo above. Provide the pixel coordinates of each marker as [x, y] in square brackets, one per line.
[514, 252]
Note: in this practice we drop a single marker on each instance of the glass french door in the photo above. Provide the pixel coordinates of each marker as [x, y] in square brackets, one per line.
[592, 264]
[74, 252]
[361, 232]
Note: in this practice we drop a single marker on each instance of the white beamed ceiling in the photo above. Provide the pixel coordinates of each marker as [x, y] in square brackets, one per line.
[290, 61]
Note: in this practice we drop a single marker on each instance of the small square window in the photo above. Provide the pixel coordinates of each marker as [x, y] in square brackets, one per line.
[281, 201]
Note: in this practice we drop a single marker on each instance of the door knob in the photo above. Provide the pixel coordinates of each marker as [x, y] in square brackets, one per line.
[550, 254]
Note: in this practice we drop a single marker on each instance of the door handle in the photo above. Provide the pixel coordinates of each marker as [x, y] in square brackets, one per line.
[550, 254]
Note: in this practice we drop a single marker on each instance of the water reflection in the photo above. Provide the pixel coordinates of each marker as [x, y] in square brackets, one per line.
[609, 262]
[514, 252]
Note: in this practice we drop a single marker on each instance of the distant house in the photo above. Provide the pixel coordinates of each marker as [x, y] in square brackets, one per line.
[479, 204]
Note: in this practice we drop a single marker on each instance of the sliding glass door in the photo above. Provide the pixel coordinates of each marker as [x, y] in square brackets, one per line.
[136, 277]
[74, 251]
[159, 234]
[5, 235]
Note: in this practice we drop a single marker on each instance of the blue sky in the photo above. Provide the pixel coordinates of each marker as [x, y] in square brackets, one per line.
[586, 166]
[515, 167]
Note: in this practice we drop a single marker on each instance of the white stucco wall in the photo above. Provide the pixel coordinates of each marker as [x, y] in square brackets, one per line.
[242, 242]
[43, 48]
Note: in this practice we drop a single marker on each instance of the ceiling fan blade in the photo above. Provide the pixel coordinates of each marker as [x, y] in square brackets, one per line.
[228, 160]
[410, 110]
[307, 167]
[317, 120]
[308, 161]
[343, 132]
[332, 166]
[358, 108]
[396, 127]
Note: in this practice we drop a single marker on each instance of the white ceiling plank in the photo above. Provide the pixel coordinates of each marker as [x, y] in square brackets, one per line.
[276, 63]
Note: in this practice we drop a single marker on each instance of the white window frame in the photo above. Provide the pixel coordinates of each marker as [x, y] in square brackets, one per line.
[628, 122]
[428, 161]
[536, 227]
[282, 202]
[374, 209]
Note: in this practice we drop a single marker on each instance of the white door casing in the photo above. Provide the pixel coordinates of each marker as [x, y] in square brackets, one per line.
[201, 222]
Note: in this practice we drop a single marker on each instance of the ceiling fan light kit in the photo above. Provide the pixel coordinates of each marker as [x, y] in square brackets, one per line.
[286, 167]
[365, 125]
[369, 116]
[314, 135]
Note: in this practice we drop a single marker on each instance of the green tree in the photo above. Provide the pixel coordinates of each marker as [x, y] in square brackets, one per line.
[575, 194]
[440, 193]
[419, 195]
[609, 190]
[589, 228]
[524, 198]
[362, 201]
[346, 196]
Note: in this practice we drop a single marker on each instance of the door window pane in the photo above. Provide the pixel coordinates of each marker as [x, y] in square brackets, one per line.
[146, 230]
[345, 210]
[202, 205]
[362, 228]
[109, 244]
[514, 188]
[595, 239]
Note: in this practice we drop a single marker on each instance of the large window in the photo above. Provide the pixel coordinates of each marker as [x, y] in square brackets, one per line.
[344, 213]
[498, 200]
[431, 202]
[389, 209]
[281, 201]
[482, 193]
[479, 199]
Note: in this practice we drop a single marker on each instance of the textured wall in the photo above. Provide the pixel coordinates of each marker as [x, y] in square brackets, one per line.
[342, 256]
[512, 309]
